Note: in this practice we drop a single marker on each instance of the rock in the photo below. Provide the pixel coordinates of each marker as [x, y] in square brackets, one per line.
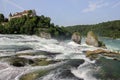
[92, 39]
[20, 62]
[98, 51]
[76, 37]
[101, 51]
[34, 75]
[43, 62]
[45, 35]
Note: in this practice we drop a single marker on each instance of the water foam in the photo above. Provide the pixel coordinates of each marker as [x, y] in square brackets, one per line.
[84, 71]
[68, 50]
[32, 57]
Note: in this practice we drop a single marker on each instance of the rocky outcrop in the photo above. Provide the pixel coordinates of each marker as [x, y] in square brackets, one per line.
[76, 37]
[98, 51]
[101, 51]
[45, 35]
[19, 62]
[92, 39]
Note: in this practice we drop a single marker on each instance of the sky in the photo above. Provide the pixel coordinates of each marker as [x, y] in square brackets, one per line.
[67, 12]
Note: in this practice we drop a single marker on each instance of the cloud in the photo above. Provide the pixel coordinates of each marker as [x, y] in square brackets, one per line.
[116, 4]
[92, 6]
[14, 4]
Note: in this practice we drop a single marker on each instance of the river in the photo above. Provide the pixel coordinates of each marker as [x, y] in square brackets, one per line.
[72, 64]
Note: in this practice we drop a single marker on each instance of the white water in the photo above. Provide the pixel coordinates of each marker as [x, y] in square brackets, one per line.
[84, 71]
[14, 44]
[14, 73]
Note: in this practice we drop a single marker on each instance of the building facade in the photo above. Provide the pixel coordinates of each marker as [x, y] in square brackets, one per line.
[24, 13]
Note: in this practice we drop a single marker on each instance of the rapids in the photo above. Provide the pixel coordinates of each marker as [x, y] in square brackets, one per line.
[69, 53]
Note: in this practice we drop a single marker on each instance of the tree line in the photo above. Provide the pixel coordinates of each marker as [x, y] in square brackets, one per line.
[36, 24]
[105, 29]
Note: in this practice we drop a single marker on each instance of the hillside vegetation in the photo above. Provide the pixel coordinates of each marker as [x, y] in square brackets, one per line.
[36, 24]
[30, 26]
[105, 29]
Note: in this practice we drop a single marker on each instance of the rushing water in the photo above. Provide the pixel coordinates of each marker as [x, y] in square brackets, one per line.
[71, 68]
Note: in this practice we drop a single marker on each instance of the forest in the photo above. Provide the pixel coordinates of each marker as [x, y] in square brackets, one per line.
[105, 29]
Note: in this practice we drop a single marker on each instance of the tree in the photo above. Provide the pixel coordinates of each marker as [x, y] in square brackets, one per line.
[1, 28]
[29, 27]
[1, 18]
[106, 29]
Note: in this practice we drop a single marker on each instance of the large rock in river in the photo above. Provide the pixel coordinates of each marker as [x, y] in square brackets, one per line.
[76, 37]
[92, 39]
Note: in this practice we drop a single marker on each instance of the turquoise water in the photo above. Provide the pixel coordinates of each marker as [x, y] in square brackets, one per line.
[112, 44]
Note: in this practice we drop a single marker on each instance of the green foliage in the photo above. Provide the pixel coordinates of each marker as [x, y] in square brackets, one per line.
[1, 17]
[101, 43]
[77, 33]
[32, 25]
[2, 29]
[106, 29]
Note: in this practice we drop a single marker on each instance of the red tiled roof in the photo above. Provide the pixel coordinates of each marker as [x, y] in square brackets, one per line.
[21, 13]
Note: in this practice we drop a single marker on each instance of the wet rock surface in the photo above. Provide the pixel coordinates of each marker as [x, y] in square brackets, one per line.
[20, 62]
[94, 54]
[76, 37]
[92, 39]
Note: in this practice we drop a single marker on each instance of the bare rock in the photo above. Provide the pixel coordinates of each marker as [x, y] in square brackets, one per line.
[92, 39]
[101, 51]
[76, 37]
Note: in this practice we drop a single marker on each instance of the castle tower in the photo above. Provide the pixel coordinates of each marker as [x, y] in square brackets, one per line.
[10, 15]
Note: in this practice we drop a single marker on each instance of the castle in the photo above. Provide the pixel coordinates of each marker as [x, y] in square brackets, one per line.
[24, 13]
